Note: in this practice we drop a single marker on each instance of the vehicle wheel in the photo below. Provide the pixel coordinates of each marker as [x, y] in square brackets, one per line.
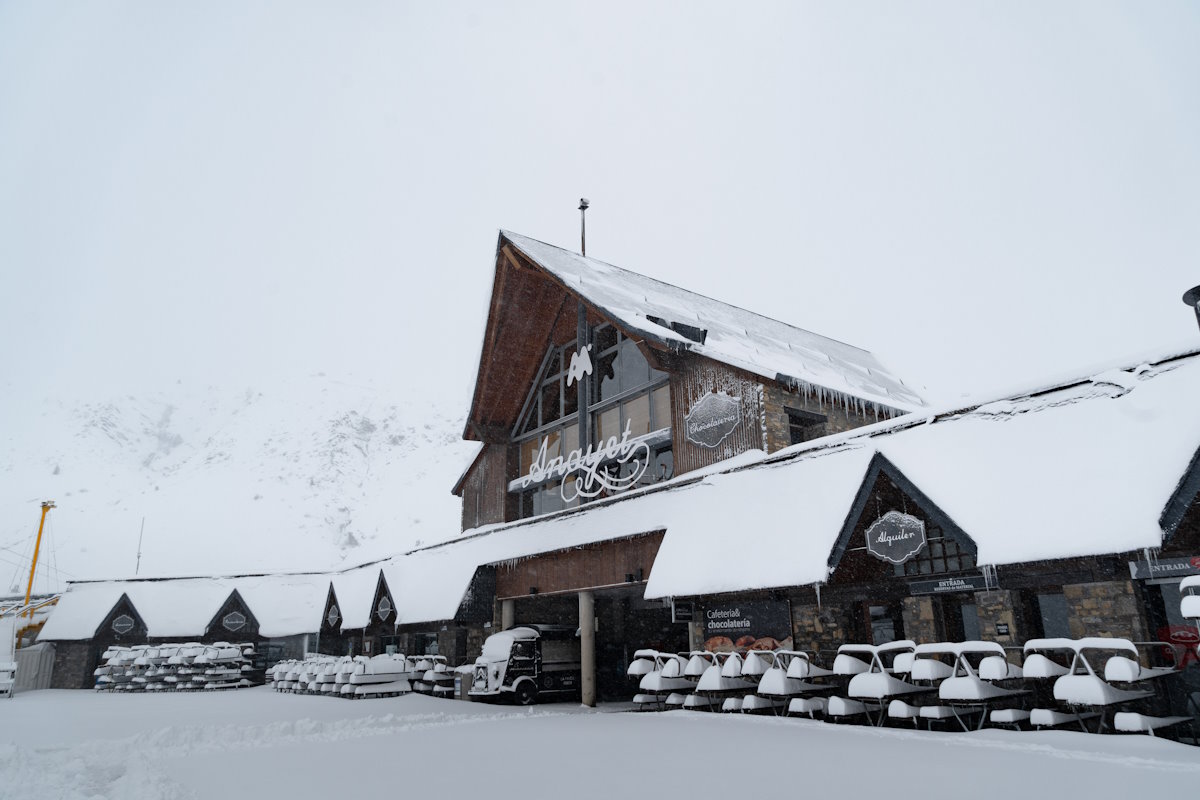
[526, 693]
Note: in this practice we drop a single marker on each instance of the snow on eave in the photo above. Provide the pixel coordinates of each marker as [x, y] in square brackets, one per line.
[734, 333]
[911, 443]
[458, 484]
[282, 603]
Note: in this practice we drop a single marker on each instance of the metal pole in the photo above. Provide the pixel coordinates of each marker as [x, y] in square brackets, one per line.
[583, 205]
[46, 506]
[141, 533]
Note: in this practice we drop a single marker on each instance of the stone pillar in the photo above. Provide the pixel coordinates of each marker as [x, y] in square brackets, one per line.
[920, 620]
[997, 613]
[587, 647]
[508, 614]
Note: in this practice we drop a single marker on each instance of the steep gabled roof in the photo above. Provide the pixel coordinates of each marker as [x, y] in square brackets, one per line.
[678, 319]
[546, 280]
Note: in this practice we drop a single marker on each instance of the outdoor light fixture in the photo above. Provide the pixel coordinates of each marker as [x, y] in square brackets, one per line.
[533, 590]
[1192, 298]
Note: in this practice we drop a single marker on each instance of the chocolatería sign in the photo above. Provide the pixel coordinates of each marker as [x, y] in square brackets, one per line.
[592, 476]
[731, 626]
[1164, 568]
[896, 537]
[713, 417]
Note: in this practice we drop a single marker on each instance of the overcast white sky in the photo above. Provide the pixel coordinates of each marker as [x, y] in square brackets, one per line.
[984, 194]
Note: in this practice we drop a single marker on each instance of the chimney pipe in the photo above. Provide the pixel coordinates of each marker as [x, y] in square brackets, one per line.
[1192, 298]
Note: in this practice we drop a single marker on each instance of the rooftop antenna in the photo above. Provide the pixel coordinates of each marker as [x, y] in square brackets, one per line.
[1192, 298]
[138, 565]
[583, 206]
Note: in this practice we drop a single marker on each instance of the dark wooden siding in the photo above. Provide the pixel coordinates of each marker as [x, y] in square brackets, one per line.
[692, 379]
[585, 567]
[485, 490]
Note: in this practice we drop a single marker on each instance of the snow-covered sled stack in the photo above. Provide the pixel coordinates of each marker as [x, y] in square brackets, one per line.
[433, 676]
[385, 675]
[177, 666]
[760, 681]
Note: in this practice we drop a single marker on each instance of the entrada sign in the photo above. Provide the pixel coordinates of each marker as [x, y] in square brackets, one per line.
[713, 417]
[1164, 568]
[965, 583]
[592, 479]
[896, 537]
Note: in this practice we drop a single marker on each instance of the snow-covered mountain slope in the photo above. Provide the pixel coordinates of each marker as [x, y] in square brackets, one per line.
[312, 473]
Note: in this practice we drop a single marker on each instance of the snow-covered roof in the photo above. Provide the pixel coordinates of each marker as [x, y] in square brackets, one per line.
[355, 590]
[734, 336]
[284, 605]
[1075, 470]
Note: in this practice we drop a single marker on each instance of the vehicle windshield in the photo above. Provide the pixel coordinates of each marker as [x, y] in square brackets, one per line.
[497, 647]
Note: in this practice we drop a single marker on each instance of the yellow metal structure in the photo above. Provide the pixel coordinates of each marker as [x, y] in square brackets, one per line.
[46, 506]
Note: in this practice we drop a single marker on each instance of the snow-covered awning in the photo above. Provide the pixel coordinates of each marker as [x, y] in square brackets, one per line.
[355, 590]
[284, 605]
[1074, 470]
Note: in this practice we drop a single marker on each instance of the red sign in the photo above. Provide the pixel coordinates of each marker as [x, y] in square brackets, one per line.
[1195, 561]
[1185, 638]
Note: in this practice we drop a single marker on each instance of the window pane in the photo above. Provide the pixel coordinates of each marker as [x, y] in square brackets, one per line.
[607, 424]
[632, 368]
[604, 338]
[571, 398]
[553, 439]
[637, 415]
[970, 619]
[664, 465]
[555, 364]
[606, 377]
[528, 451]
[1053, 611]
[660, 402]
[550, 409]
[570, 439]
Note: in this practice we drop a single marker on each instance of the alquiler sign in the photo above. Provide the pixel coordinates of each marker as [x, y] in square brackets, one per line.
[896, 537]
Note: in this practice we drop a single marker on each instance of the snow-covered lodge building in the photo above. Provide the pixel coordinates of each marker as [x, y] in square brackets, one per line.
[664, 470]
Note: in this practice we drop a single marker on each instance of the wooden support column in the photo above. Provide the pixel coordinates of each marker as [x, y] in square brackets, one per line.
[508, 614]
[587, 647]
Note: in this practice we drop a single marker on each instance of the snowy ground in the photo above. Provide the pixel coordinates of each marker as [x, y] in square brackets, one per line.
[256, 743]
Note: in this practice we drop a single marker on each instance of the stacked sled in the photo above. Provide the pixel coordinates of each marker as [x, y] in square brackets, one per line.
[386, 675]
[755, 681]
[177, 667]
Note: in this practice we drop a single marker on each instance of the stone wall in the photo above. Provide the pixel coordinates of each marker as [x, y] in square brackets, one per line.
[815, 629]
[777, 399]
[1106, 608]
[74, 662]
